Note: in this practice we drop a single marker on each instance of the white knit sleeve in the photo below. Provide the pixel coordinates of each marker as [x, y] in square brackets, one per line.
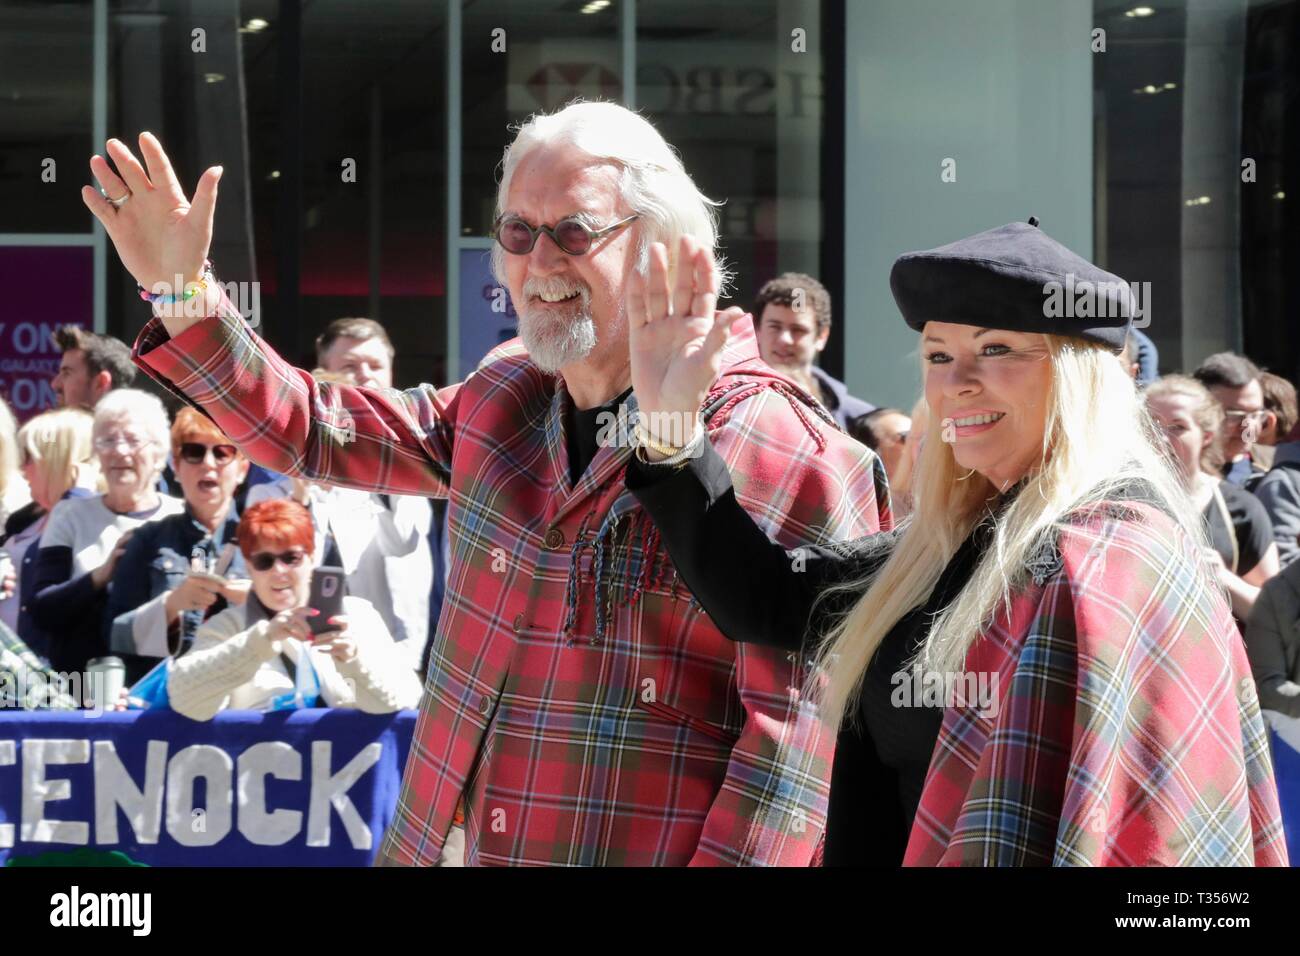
[380, 674]
[201, 681]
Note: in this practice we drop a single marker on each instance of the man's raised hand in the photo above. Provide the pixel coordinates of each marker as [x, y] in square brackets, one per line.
[158, 233]
[676, 337]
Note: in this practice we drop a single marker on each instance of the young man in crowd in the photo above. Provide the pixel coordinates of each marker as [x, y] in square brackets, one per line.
[1234, 382]
[91, 365]
[792, 318]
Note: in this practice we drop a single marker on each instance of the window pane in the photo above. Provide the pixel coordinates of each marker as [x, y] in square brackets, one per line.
[739, 94]
[46, 65]
[374, 175]
[1195, 105]
[552, 53]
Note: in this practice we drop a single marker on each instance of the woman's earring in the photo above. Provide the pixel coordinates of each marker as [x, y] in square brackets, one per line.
[967, 475]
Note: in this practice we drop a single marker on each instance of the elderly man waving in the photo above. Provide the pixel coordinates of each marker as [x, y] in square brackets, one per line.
[579, 704]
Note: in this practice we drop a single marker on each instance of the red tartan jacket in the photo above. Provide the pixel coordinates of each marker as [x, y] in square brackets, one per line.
[578, 698]
[1126, 729]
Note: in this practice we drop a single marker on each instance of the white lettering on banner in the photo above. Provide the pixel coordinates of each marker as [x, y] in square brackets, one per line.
[26, 394]
[114, 788]
[275, 759]
[174, 781]
[39, 366]
[332, 790]
[37, 791]
[8, 754]
[32, 337]
[186, 766]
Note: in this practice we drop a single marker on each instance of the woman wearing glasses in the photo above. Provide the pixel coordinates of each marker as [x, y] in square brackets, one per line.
[1037, 668]
[180, 569]
[85, 537]
[1241, 548]
[253, 656]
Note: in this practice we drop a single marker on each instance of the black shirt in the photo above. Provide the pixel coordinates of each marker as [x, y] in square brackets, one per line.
[583, 431]
[1248, 525]
[882, 758]
[899, 720]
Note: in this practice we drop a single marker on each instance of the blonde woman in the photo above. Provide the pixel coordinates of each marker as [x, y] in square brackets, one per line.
[1037, 668]
[1241, 549]
[57, 460]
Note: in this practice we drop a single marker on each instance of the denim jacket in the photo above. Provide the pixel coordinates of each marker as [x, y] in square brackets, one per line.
[156, 561]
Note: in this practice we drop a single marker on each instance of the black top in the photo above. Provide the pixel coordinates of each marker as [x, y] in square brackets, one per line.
[582, 429]
[67, 611]
[770, 599]
[1250, 527]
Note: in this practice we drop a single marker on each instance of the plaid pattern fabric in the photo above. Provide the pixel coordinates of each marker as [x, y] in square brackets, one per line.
[578, 698]
[1127, 731]
[25, 681]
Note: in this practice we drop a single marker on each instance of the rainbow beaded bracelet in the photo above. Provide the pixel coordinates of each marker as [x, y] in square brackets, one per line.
[185, 294]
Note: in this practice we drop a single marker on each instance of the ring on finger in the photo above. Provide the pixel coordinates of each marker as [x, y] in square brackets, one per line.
[116, 203]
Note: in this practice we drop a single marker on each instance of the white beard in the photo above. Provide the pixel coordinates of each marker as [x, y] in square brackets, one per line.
[554, 341]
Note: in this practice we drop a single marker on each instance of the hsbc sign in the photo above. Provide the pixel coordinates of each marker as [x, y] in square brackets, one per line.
[543, 78]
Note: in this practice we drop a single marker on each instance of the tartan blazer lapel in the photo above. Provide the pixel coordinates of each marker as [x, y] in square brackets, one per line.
[556, 441]
[615, 447]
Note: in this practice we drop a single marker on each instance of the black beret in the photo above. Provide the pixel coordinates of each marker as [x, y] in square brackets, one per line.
[1015, 277]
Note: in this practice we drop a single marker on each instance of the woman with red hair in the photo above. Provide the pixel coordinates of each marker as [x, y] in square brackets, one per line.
[247, 658]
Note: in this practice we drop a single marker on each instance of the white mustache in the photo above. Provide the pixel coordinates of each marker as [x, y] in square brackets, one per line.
[556, 286]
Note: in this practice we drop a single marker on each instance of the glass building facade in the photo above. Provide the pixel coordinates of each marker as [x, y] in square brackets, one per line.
[361, 144]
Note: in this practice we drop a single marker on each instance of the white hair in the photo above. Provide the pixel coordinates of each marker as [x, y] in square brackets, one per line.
[141, 409]
[653, 182]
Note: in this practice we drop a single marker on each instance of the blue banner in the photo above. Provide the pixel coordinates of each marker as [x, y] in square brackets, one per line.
[1286, 768]
[288, 788]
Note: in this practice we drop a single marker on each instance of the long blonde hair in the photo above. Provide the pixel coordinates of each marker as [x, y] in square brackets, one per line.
[1098, 438]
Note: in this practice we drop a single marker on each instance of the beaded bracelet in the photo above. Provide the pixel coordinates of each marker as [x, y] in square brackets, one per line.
[185, 294]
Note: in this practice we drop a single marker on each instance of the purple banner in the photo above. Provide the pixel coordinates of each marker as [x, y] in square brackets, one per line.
[44, 287]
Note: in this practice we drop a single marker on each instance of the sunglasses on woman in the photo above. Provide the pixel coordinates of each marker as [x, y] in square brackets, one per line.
[265, 560]
[195, 452]
[571, 234]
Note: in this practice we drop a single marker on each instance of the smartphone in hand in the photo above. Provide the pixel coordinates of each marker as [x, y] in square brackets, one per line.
[327, 587]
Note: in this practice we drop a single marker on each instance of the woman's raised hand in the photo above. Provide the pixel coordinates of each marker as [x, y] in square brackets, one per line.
[676, 338]
[158, 233]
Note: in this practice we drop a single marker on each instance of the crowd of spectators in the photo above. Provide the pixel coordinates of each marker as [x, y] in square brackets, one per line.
[150, 537]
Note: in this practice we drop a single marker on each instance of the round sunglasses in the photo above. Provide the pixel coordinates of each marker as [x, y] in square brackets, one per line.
[571, 234]
[265, 560]
[195, 452]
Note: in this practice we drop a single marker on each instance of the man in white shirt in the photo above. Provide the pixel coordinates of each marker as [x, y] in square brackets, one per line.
[380, 541]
